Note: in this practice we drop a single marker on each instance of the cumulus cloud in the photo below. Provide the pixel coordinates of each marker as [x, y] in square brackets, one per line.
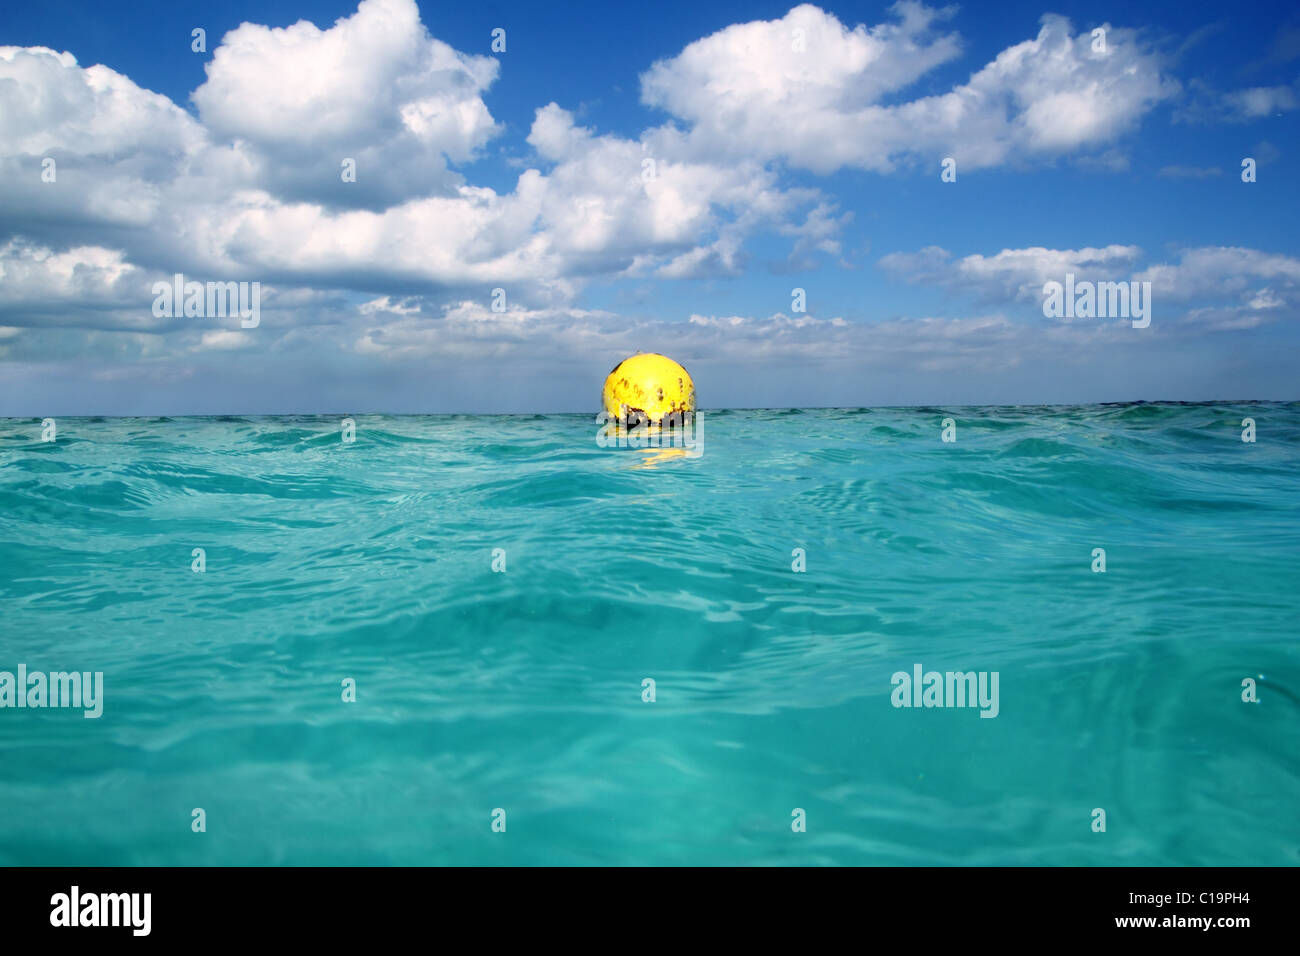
[252, 191]
[115, 147]
[592, 213]
[1224, 271]
[96, 288]
[808, 90]
[375, 88]
[32, 276]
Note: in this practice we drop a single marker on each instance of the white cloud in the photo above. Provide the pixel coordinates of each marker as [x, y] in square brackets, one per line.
[560, 337]
[1207, 105]
[1012, 274]
[30, 273]
[253, 192]
[227, 339]
[591, 214]
[114, 146]
[1224, 271]
[1260, 101]
[748, 89]
[1234, 287]
[375, 87]
[84, 286]
[51, 103]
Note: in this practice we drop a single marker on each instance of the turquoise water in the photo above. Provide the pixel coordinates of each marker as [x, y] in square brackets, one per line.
[522, 689]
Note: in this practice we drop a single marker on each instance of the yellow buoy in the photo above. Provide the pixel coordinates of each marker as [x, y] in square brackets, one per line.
[646, 387]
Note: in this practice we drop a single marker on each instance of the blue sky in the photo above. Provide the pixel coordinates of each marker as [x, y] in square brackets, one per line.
[790, 148]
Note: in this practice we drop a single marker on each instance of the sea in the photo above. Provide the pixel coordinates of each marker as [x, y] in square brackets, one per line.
[1022, 636]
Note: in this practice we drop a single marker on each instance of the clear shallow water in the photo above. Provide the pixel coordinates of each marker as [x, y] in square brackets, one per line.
[522, 690]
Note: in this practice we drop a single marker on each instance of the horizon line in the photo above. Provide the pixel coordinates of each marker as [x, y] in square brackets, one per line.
[746, 408]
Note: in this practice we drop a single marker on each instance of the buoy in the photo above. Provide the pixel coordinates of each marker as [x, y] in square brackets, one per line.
[646, 388]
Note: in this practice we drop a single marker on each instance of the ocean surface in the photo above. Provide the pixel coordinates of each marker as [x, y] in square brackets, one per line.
[522, 690]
